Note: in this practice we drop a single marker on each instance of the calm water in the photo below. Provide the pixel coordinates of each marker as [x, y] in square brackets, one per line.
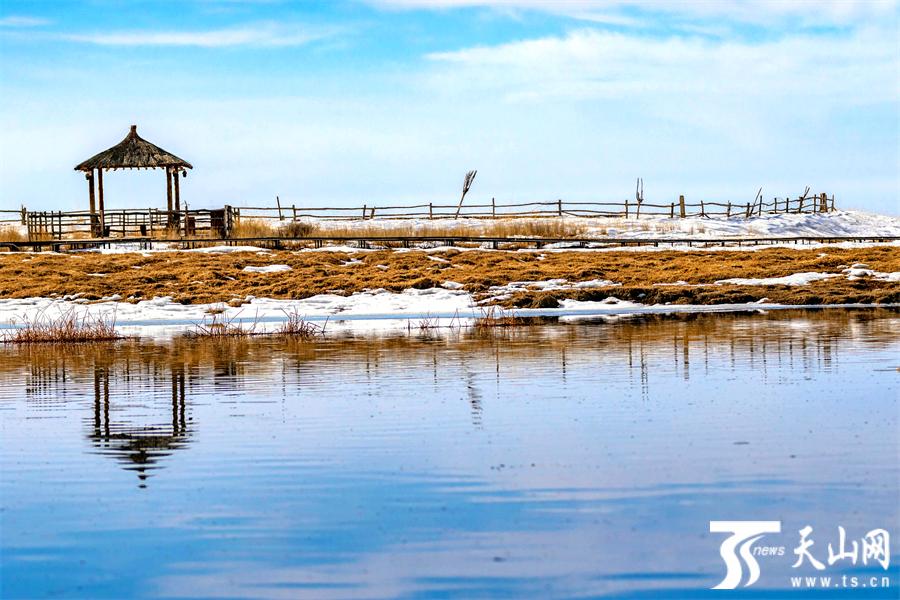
[560, 460]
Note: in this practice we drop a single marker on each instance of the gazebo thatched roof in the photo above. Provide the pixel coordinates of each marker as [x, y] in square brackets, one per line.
[133, 152]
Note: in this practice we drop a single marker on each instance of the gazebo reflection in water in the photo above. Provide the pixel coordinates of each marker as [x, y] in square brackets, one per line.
[138, 448]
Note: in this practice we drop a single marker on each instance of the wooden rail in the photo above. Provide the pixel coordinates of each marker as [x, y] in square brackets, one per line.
[14, 216]
[220, 222]
[366, 241]
[413, 241]
[555, 208]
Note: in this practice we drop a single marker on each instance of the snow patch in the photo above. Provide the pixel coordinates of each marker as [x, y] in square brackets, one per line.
[228, 249]
[592, 304]
[861, 271]
[795, 279]
[268, 269]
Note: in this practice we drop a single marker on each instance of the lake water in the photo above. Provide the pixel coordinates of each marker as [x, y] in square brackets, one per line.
[575, 459]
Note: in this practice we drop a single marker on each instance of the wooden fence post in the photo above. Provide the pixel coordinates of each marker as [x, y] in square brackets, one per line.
[278, 202]
[430, 211]
[747, 214]
[364, 212]
[681, 205]
[559, 206]
[728, 214]
[626, 208]
[672, 211]
[294, 212]
[823, 203]
[800, 208]
[702, 209]
[832, 202]
[25, 214]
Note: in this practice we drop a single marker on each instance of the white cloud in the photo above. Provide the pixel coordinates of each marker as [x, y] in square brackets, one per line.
[22, 21]
[817, 70]
[263, 34]
[806, 12]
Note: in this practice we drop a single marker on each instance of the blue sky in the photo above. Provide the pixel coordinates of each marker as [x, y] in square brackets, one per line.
[392, 101]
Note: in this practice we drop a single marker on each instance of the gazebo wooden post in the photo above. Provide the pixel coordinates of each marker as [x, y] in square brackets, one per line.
[102, 226]
[90, 179]
[100, 189]
[177, 191]
[169, 219]
[175, 175]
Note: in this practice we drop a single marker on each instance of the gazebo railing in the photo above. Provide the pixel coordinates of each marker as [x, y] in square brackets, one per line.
[149, 222]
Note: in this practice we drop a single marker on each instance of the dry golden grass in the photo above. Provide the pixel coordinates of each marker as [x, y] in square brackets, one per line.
[9, 233]
[193, 278]
[246, 228]
[524, 227]
[260, 228]
[66, 328]
[550, 228]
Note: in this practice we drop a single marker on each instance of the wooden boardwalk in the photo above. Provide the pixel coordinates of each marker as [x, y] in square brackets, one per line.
[146, 243]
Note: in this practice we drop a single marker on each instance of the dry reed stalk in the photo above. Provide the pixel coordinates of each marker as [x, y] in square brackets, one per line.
[427, 323]
[494, 317]
[220, 326]
[67, 328]
[296, 326]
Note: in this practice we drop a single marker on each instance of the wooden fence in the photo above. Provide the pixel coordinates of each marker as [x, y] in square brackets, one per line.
[556, 208]
[13, 216]
[220, 222]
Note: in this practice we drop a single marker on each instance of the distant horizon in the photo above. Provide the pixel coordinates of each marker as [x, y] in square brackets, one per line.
[392, 101]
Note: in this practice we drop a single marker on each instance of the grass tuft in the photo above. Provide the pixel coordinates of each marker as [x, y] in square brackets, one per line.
[220, 326]
[296, 326]
[494, 317]
[67, 328]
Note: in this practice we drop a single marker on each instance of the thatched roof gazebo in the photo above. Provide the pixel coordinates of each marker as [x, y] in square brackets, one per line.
[134, 152]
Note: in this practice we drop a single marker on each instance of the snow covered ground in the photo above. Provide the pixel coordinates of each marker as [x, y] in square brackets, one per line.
[374, 309]
[837, 223]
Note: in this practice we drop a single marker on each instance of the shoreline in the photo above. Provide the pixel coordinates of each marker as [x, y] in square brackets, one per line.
[428, 322]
